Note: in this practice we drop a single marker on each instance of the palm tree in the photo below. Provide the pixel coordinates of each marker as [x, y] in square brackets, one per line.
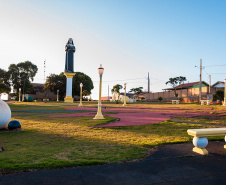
[176, 81]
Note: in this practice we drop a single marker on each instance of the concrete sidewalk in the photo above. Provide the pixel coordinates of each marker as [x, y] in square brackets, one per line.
[171, 164]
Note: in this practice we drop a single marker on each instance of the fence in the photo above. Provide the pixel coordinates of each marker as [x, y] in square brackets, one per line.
[188, 95]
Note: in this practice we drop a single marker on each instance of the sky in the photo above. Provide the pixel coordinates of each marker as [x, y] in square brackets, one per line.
[130, 38]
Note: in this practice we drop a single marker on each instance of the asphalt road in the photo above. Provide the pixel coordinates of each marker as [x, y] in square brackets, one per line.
[170, 164]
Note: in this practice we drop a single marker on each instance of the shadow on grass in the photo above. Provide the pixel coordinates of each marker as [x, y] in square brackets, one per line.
[31, 149]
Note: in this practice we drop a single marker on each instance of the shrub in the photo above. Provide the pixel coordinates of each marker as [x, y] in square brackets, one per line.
[30, 99]
[142, 98]
[160, 98]
[219, 95]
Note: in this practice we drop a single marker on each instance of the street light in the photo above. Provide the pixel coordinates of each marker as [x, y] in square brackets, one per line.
[57, 94]
[99, 114]
[19, 94]
[124, 104]
[224, 93]
[23, 91]
[80, 104]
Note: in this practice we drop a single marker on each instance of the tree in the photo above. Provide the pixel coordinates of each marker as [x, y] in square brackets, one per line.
[219, 95]
[116, 88]
[4, 88]
[176, 81]
[4, 77]
[4, 81]
[137, 90]
[27, 70]
[21, 74]
[58, 82]
[85, 93]
[85, 80]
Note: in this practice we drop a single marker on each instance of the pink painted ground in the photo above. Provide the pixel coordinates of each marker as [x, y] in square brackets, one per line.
[135, 116]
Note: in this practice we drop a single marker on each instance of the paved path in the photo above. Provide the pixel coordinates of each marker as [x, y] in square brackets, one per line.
[171, 164]
[135, 116]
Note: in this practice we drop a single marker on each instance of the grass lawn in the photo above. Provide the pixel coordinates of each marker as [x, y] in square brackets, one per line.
[49, 142]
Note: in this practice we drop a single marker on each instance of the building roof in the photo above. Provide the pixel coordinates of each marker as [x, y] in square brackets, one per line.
[218, 82]
[37, 85]
[106, 98]
[186, 86]
[127, 94]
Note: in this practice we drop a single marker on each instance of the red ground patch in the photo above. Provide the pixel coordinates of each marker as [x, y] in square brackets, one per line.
[135, 116]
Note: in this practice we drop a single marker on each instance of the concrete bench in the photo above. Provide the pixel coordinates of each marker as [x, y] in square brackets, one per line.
[175, 101]
[200, 141]
[203, 102]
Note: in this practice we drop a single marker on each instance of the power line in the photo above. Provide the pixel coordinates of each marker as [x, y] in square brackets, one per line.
[206, 71]
[216, 65]
[123, 80]
[158, 79]
[218, 73]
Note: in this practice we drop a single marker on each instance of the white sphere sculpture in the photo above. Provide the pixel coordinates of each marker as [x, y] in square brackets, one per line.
[200, 142]
[5, 114]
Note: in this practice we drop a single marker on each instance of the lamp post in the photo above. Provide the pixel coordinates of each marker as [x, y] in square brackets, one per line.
[80, 104]
[124, 104]
[224, 93]
[99, 113]
[19, 94]
[23, 91]
[57, 94]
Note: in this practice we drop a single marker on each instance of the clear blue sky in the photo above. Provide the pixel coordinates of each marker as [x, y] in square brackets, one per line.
[129, 38]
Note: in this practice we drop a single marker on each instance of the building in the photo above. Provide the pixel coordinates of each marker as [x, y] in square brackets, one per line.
[218, 86]
[189, 92]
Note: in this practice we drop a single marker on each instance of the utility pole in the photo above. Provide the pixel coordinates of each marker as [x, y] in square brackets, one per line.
[200, 82]
[148, 83]
[108, 92]
[209, 83]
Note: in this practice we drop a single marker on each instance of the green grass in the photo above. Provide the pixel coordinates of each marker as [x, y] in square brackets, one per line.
[48, 143]
[215, 120]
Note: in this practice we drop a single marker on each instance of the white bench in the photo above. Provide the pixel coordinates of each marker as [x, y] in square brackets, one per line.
[45, 100]
[200, 141]
[203, 102]
[175, 101]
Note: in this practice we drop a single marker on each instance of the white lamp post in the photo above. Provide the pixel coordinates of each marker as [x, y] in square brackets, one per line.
[224, 93]
[58, 95]
[99, 113]
[124, 104]
[80, 104]
[19, 94]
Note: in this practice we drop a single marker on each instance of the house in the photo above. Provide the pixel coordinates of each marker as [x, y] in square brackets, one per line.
[142, 95]
[219, 85]
[39, 93]
[189, 92]
[129, 95]
[105, 98]
[4, 96]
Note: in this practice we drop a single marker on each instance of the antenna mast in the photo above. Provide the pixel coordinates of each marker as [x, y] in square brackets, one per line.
[44, 70]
